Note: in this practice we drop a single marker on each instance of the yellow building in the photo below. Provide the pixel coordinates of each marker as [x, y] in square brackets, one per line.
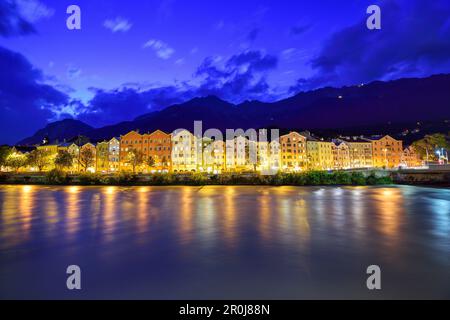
[241, 154]
[184, 152]
[214, 159]
[319, 153]
[51, 149]
[293, 152]
[341, 155]
[269, 157]
[102, 157]
[360, 152]
[387, 152]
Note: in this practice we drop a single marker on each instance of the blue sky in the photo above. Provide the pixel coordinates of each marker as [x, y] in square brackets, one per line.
[132, 57]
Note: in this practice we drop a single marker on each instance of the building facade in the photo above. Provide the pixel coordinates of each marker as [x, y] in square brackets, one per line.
[341, 155]
[214, 160]
[184, 152]
[411, 159]
[102, 157]
[360, 153]
[241, 154]
[157, 150]
[293, 152]
[129, 143]
[114, 155]
[387, 152]
[320, 155]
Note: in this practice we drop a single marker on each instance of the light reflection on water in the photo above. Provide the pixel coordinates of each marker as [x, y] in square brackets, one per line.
[224, 242]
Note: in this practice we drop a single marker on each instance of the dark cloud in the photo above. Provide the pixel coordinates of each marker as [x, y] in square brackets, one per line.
[254, 60]
[12, 23]
[26, 102]
[110, 107]
[241, 77]
[210, 68]
[238, 78]
[413, 41]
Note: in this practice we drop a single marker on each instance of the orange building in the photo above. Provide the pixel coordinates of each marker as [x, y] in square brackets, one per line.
[158, 146]
[293, 152]
[387, 152]
[128, 142]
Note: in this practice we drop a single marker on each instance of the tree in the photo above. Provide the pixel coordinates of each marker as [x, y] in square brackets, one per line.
[5, 151]
[256, 164]
[81, 140]
[86, 158]
[135, 158]
[39, 158]
[64, 159]
[16, 160]
[427, 146]
[164, 161]
[151, 162]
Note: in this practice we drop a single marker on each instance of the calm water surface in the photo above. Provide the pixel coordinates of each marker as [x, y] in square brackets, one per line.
[224, 242]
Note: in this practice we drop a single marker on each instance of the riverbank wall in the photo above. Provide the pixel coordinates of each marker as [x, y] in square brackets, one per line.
[373, 177]
[433, 177]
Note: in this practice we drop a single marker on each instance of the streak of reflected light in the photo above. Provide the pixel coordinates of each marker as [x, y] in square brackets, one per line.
[109, 203]
[143, 213]
[73, 211]
[186, 218]
[230, 217]
[26, 204]
[389, 202]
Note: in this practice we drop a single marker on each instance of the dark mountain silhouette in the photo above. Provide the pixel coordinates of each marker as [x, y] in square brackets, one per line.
[58, 132]
[375, 104]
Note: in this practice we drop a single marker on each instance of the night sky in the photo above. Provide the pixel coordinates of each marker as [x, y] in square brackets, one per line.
[132, 57]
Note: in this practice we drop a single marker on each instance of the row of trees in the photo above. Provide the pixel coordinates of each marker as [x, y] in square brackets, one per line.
[136, 158]
[64, 160]
[427, 146]
[41, 159]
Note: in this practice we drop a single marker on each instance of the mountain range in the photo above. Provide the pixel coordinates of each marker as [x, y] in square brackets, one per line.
[374, 105]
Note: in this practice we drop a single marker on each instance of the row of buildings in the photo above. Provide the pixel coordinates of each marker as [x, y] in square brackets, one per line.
[181, 151]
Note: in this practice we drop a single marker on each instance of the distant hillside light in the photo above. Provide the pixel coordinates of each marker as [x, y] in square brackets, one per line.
[339, 97]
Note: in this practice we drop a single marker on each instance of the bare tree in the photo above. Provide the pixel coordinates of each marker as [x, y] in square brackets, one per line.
[39, 158]
[135, 158]
[86, 159]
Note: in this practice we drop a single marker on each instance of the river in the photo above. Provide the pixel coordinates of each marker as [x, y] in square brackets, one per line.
[224, 242]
